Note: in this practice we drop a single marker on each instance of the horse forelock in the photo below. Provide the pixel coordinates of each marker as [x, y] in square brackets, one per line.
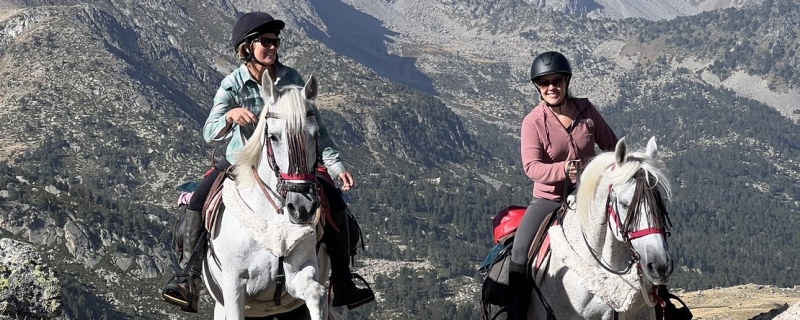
[290, 104]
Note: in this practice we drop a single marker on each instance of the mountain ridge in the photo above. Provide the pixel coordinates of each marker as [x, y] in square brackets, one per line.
[90, 177]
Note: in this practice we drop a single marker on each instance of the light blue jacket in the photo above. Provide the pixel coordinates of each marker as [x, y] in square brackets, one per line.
[239, 89]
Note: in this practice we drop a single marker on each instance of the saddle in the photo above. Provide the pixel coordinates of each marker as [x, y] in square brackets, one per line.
[540, 247]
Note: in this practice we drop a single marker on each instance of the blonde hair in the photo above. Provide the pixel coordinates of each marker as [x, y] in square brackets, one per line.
[242, 51]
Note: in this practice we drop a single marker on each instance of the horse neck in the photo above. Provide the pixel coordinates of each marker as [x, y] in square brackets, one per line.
[254, 196]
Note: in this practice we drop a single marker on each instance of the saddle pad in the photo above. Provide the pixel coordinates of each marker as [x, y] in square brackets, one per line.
[210, 215]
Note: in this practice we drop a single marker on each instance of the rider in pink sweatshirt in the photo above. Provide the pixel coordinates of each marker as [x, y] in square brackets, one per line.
[556, 140]
[546, 145]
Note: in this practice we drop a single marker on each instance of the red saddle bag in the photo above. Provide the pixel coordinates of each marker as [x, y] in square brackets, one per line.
[505, 224]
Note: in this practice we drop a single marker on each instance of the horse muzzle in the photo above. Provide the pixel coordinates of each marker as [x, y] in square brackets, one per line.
[658, 270]
[302, 201]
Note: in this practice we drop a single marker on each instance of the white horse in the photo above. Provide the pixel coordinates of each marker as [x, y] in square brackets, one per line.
[268, 224]
[610, 250]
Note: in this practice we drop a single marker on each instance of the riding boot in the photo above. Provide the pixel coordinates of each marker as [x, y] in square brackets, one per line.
[179, 290]
[517, 274]
[345, 292]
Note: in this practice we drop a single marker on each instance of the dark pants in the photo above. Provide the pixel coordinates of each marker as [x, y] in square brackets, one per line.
[534, 216]
[201, 193]
[334, 196]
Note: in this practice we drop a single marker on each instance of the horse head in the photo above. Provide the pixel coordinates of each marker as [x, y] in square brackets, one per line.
[283, 150]
[628, 190]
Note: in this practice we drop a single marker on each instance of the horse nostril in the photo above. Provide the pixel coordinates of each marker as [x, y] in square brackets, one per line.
[671, 266]
[661, 269]
[290, 207]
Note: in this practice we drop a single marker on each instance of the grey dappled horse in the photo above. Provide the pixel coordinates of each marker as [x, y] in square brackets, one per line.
[611, 248]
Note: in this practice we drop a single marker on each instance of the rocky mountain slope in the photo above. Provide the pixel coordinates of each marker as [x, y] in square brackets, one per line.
[661, 9]
[105, 99]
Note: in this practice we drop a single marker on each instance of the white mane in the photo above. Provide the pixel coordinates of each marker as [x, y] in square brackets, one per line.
[598, 169]
[290, 105]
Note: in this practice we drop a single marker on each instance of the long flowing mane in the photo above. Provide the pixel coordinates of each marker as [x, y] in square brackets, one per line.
[290, 105]
[639, 165]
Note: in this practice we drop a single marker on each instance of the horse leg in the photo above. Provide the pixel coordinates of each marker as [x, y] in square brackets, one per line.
[219, 311]
[232, 287]
[303, 285]
[311, 292]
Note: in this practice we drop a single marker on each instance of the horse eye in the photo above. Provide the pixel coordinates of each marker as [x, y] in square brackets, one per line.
[272, 137]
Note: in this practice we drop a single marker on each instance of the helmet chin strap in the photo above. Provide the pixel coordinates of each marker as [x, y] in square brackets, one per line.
[251, 57]
[554, 105]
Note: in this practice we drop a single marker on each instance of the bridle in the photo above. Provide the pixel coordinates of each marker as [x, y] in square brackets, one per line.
[626, 235]
[299, 178]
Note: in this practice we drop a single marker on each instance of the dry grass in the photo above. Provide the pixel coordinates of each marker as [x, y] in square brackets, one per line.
[738, 303]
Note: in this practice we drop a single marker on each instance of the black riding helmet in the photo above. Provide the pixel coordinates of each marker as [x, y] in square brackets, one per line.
[252, 24]
[549, 63]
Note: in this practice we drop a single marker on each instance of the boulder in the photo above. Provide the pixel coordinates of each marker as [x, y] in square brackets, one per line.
[83, 244]
[29, 288]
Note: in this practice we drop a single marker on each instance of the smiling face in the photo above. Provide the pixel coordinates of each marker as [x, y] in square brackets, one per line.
[553, 88]
[265, 47]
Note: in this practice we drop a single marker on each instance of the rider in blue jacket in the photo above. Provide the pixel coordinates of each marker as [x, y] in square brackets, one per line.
[237, 102]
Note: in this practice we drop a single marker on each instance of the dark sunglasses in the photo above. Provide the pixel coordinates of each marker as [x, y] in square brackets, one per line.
[557, 82]
[267, 42]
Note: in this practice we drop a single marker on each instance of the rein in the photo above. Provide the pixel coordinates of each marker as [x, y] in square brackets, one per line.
[261, 185]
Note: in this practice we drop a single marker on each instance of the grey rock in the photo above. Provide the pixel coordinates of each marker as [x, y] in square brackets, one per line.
[29, 288]
[12, 215]
[121, 260]
[83, 244]
[41, 229]
[792, 312]
[148, 267]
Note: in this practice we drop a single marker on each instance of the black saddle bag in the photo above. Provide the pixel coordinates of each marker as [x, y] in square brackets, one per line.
[495, 268]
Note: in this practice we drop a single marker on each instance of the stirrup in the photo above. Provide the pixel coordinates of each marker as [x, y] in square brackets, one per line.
[369, 299]
[175, 296]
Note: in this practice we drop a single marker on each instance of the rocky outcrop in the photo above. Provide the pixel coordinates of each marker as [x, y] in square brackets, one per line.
[792, 313]
[29, 288]
[83, 244]
[30, 224]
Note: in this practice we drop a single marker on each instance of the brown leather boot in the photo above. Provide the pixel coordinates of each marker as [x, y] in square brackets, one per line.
[345, 292]
[182, 290]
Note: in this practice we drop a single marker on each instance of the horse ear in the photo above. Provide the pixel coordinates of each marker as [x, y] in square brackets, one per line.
[269, 91]
[310, 89]
[652, 148]
[621, 151]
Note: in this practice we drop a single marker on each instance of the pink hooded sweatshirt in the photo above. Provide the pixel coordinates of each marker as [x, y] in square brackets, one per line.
[546, 145]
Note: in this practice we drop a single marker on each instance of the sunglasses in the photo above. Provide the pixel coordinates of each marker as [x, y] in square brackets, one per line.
[556, 82]
[267, 42]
